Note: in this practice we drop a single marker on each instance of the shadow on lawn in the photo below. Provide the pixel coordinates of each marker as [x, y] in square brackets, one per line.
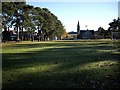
[66, 59]
[50, 79]
[52, 55]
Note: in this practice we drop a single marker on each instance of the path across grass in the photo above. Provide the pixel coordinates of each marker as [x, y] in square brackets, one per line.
[61, 64]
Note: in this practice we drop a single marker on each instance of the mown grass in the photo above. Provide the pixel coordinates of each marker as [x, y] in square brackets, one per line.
[61, 64]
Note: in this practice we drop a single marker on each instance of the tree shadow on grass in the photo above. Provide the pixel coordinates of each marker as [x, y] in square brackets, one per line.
[81, 79]
[69, 53]
[65, 59]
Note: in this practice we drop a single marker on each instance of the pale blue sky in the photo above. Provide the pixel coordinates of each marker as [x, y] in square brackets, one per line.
[93, 14]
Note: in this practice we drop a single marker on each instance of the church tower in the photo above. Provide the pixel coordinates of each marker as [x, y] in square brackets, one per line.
[78, 29]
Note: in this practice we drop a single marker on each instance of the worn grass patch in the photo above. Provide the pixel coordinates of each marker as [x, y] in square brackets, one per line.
[77, 64]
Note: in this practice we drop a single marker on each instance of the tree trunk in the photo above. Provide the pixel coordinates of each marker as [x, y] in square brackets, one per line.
[18, 35]
[22, 35]
[8, 29]
[42, 37]
[38, 37]
[39, 34]
[32, 37]
[27, 35]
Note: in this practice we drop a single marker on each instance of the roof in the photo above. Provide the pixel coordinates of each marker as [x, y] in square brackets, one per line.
[82, 31]
[72, 32]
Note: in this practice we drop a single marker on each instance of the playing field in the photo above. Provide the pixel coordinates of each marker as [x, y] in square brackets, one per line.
[61, 64]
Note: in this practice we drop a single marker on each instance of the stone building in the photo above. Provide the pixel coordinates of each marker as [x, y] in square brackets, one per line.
[84, 34]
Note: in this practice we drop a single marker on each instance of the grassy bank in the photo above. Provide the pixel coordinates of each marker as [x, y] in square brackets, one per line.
[80, 63]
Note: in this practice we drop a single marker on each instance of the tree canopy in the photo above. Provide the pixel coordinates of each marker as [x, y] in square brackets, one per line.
[29, 18]
[114, 26]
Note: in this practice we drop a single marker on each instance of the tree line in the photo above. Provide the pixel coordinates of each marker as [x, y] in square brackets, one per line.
[114, 26]
[26, 19]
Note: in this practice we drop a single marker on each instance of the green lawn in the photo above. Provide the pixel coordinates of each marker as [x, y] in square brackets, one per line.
[61, 64]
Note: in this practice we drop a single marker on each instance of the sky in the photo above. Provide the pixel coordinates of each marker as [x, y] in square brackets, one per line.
[90, 14]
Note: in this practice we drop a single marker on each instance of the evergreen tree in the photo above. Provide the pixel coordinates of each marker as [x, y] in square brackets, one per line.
[26, 17]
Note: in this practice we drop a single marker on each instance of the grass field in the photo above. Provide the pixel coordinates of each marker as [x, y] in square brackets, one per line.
[61, 64]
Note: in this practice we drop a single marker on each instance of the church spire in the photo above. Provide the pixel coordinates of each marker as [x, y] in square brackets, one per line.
[78, 28]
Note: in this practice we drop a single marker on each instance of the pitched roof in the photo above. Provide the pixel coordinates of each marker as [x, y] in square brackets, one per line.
[72, 32]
